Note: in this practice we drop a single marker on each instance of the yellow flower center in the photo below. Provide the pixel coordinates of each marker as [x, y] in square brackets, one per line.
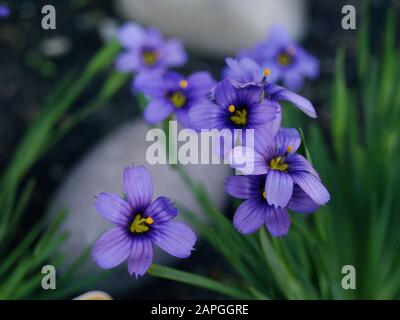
[177, 99]
[140, 224]
[239, 117]
[278, 164]
[264, 194]
[150, 57]
[285, 57]
[183, 84]
[289, 149]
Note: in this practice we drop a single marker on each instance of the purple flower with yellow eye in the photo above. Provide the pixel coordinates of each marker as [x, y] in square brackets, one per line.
[139, 223]
[4, 11]
[246, 72]
[286, 60]
[284, 169]
[147, 50]
[256, 211]
[171, 93]
[233, 108]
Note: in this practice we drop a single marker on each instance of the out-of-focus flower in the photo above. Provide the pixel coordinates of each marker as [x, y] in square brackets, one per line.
[245, 72]
[286, 60]
[147, 50]
[4, 11]
[139, 223]
[256, 210]
[233, 108]
[172, 92]
[94, 295]
[284, 169]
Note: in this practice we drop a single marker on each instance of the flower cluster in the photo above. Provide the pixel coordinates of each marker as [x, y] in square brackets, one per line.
[280, 179]
[246, 98]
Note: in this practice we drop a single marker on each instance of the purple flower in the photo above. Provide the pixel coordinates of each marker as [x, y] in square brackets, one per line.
[171, 92]
[139, 223]
[233, 108]
[4, 11]
[147, 50]
[284, 169]
[285, 58]
[256, 210]
[247, 72]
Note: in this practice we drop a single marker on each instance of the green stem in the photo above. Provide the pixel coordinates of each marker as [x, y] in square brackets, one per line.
[196, 280]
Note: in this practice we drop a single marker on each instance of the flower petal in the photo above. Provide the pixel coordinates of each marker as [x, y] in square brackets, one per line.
[161, 210]
[200, 84]
[277, 221]
[157, 110]
[127, 61]
[287, 137]
[206, 115]
[280, 93]
[297, 163]
[112, 248]
[151, 84]
[250, 215]
[312, 186]
[113, 208]
[176, 238]
[301, 202]
[293, 80]
[308, 64]
[245, 187]
[279, 188]
[141, 256]
[243, 70]
[174, 53]
[131, 35]
[225, 94]
[250, 96]
[261, 113]
[138, 187]
[182, 115]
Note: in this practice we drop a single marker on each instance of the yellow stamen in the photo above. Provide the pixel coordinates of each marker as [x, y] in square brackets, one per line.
[149, 220]
[267, 72]
[264, 195]
[140, 225]
[177, 99]
[240, 117]
[279, 164]
[289, 149]
[183, 84]
[231, 108]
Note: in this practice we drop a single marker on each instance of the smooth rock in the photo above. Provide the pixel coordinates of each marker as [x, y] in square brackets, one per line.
[101, 170]
[218, 27]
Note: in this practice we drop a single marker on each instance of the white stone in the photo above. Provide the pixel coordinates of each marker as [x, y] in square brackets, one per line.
[218, 27]
[101, 170]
